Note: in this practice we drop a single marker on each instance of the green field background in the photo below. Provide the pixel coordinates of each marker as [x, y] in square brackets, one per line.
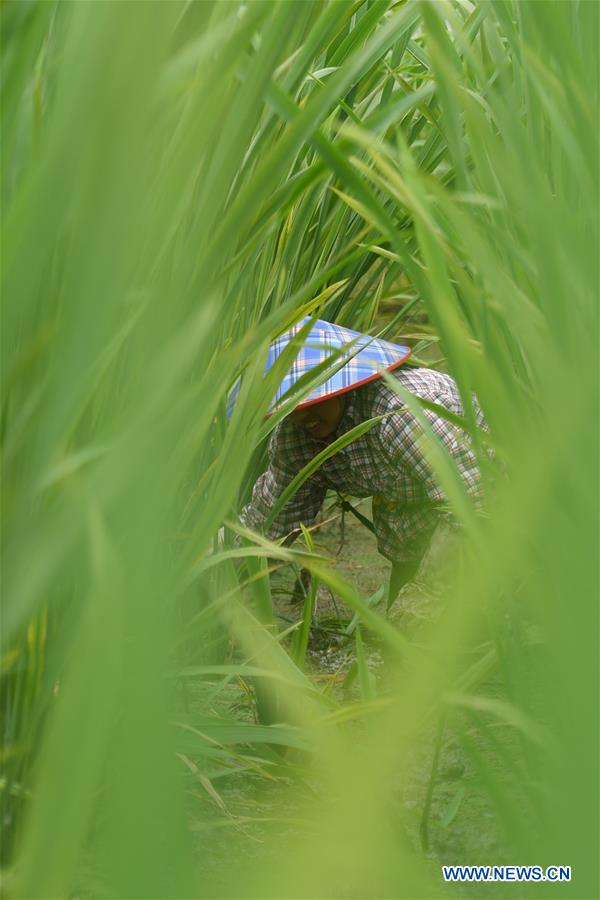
[182, 181]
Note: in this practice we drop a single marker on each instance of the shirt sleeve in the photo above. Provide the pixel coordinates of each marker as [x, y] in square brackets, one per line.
[288, 453]
[404, 439]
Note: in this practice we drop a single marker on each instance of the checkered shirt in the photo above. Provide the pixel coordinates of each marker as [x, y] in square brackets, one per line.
[386, 463]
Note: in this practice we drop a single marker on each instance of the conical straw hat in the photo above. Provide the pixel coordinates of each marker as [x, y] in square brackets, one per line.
[354, 358]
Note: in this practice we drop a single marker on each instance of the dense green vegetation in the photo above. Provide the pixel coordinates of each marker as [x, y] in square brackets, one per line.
[180, 182]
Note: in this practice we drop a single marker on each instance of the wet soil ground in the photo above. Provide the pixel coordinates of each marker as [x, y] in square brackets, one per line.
[353, 551]
[462, 822]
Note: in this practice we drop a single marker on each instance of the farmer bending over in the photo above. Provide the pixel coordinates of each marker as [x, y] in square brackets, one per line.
[386, 463]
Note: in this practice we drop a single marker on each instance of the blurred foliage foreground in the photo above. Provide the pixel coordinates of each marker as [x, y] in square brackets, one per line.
[180, 181]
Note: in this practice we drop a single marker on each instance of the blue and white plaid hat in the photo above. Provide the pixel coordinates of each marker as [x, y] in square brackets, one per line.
[354, 359]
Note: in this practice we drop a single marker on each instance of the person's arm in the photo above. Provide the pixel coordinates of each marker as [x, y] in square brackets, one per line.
[288, 453]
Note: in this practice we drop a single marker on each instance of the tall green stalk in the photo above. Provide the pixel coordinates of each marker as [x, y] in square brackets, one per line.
[180, 181]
